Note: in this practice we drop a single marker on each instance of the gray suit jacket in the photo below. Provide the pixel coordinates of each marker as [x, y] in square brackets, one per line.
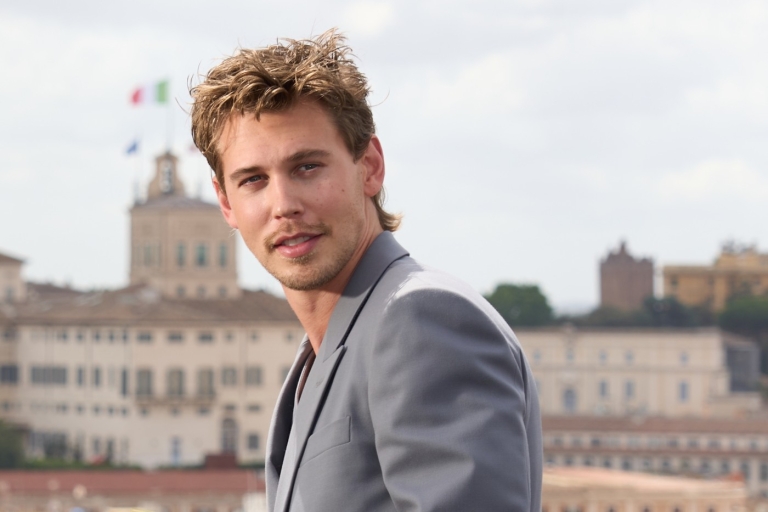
[420, 399]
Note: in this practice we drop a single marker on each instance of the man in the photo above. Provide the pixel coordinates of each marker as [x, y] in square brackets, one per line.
[409, 392]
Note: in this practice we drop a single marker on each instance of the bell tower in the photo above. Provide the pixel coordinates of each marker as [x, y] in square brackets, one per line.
[180, 245]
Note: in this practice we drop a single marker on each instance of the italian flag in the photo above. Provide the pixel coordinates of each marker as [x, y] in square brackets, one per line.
[154, 93]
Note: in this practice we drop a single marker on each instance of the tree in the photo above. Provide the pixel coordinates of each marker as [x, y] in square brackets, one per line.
[748, 316]
[521, 305]
[11, 447]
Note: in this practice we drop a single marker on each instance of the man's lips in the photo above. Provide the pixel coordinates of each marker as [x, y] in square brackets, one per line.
[296, 245]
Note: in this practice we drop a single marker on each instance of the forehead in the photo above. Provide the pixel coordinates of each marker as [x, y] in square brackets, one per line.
[276, 134]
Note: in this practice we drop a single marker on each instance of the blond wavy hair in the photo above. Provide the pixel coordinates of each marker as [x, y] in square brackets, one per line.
[274, 78]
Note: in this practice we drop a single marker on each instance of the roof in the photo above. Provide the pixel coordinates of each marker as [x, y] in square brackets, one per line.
[172, 202]
[600, 478]
[130, 481]
[655, 424]
[5, 258]
[141, 304]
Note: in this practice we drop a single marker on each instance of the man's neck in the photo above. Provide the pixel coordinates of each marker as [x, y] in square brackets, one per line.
[315, 307]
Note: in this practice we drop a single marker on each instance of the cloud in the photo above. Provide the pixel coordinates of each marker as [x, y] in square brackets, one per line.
[715, 179]
[368, 17]
[487, 86]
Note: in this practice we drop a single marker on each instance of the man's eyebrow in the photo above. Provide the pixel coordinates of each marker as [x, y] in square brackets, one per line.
[241, 173]
[308, 153]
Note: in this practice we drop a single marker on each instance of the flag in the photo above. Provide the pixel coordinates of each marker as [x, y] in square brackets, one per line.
[133, 148]
[154, 93]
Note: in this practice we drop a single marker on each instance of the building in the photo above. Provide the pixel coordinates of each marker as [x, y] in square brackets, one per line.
[132, 491]
[655, 372]
[585, 489]
[625, 281]
[180, 245]
[704, 448]
[179, 364]
[738, 270]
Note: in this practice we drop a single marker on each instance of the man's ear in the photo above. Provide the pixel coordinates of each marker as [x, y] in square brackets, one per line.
[373, 163]
[226, 209]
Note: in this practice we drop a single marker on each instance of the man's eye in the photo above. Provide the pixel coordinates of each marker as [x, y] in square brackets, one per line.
[308, 167]
[252, 179]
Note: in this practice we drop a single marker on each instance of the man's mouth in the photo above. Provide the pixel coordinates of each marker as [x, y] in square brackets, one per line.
[296, 241]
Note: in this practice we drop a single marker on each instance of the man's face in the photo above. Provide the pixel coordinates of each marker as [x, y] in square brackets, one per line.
[293, 189]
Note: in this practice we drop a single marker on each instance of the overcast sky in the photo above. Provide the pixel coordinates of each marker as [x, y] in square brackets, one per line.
[523, 139]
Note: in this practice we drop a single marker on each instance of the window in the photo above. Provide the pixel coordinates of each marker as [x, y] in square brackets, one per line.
[223, 255]
[48, 375]
[96, 335]
[175, 336]
[289, 336]
[96, 377]
[284, 373]
[254, 407]
[254, 336]
[683, 391]
[205, 382]
[725, 467]
[9, 374]
[201, 255]
[607, 463]
[253, 376]
[603, 389]
[144, 336]
[629, 357]
[603, 357]
[569, 400]
[124, 382]
[569, 355]
[626, 464]
[229, 376]
[222, 292]
[175, 450]
[744, 467]
[181, 255]
[629, 390]
[205, 337]
[537, 356]
[683, 358]
[253, 441]
[144, 383]
[175, 378]
[201, 292]
[181, 292]
[764, 471]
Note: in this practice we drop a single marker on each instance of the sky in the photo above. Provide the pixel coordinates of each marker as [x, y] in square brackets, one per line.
[523, 139]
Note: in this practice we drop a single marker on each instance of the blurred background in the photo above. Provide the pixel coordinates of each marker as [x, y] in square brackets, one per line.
[596, 169]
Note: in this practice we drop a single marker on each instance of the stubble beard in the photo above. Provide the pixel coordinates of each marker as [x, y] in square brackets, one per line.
[305, 273]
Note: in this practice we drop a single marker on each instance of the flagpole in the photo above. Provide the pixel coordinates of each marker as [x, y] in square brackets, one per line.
[169, 121]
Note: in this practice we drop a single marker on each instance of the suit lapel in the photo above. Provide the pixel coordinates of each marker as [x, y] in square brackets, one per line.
[379, 256]
[280, 426]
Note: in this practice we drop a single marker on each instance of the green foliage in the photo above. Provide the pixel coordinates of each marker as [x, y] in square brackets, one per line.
[666, 312]
[521, 305]
[11, 447]
[746, 315]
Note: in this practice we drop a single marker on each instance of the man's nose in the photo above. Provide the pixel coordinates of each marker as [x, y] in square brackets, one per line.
[286, 200]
